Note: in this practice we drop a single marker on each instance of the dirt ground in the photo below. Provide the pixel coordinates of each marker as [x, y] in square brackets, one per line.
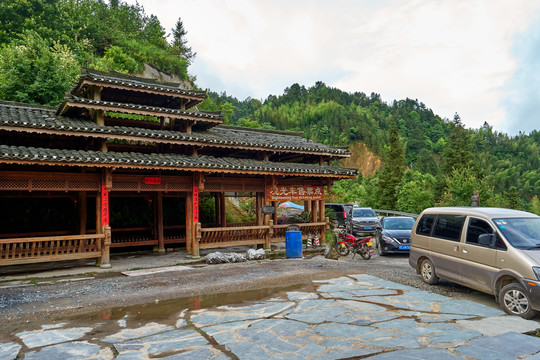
[99, 291]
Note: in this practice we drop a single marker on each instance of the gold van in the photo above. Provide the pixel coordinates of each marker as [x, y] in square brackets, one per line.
[493, 250]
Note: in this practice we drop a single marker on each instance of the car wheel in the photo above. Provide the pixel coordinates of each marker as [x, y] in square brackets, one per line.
[427, 271]
[514, 301]
[379, 249]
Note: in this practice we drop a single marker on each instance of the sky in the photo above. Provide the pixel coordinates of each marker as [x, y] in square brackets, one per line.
[477, 58]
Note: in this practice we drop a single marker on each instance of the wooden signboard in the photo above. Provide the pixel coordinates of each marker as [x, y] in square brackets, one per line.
[152, 180]
[294, 192]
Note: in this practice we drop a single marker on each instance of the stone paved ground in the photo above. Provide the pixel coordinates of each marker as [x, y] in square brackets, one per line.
[348, 317]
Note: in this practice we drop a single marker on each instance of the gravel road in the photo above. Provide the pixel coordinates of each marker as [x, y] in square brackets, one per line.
[57, 299]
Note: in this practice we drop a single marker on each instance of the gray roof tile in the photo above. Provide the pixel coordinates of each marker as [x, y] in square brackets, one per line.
[41, 117]
[173, 161]
[135, 82]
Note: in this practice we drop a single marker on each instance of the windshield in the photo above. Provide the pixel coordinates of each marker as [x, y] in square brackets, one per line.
[398, 224]
[363, 213]
[522, 233]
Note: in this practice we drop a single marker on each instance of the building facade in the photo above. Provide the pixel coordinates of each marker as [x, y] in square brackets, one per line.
[125, 161]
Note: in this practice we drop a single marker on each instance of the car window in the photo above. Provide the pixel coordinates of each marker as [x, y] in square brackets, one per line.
[476, 228]
[448, 227]
[363, 213]
[398, 224]
[425, 224]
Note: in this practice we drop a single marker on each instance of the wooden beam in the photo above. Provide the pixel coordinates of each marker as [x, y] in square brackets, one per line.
[198, 180]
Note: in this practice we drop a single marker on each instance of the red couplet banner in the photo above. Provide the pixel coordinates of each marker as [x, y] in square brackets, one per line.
[104, 205]
[195, 204]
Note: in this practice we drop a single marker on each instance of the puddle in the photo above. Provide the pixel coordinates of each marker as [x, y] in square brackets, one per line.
[165, 312]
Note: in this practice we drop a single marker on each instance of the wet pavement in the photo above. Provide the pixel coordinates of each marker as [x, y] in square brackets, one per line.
[357, 316]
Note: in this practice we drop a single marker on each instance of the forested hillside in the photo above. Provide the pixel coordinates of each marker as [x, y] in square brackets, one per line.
[442, 162]
[45, 43]
[426, 160]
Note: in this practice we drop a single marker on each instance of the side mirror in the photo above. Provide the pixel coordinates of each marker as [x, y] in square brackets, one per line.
[486, 240]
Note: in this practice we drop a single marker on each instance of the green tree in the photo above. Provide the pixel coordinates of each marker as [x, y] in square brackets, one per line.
[535, 205]
[462, 184]
[457, 154]
[511, 198]
[36, 72]
[416, 192]
[179, 45]
[393, 170]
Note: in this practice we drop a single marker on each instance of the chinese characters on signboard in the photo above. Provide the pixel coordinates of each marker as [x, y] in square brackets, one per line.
[152, 180]
[294, 192]
[195, 204]
[104, 205]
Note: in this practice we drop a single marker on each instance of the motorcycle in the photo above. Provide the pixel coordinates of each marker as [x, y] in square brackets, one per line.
[345, 243]
[341, 246]
[364, 246]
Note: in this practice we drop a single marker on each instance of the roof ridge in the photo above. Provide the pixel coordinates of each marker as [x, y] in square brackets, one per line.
[87, 72]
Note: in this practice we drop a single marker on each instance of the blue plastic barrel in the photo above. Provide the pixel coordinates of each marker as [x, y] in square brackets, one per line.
[293, 244]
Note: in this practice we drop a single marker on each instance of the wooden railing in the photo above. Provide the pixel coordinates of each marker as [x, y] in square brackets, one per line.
[174, 234]
[306, 229]
[233, 236]
[140, 236]
[50, 248]
[136, 236]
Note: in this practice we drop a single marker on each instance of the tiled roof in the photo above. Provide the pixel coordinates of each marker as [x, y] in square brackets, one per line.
[172, 161]
[70, 100]
[41, 117]
[136, 83]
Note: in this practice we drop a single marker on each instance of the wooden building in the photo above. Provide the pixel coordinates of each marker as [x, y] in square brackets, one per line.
[124, 161]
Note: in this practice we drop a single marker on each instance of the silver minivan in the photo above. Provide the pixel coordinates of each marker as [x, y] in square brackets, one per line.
[493, 250]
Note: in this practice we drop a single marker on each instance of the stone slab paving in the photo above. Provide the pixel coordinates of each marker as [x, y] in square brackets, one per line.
[357, 316]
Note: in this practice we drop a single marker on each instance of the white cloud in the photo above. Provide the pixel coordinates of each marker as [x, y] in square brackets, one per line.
[454, 56]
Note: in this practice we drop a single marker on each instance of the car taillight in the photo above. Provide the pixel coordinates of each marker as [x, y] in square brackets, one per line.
[344, 214]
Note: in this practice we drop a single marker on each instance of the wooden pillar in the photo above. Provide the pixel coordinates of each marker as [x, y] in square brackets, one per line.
[217, 208]
[106, 249]
[81, 204]
[189, 223]
[266, 216]
[258, 208]
[198, 235]
[274, 215]
[198, 186]
[99, 229]
[307, 206]
[269, 234]
[315, 210]
[321, 211]
[223, 210]
[102, 225]
[159, 221]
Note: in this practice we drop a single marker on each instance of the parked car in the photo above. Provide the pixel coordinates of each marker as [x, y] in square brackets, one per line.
[362, 220]
[493, 250]
[394, 234]
[340, 210]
